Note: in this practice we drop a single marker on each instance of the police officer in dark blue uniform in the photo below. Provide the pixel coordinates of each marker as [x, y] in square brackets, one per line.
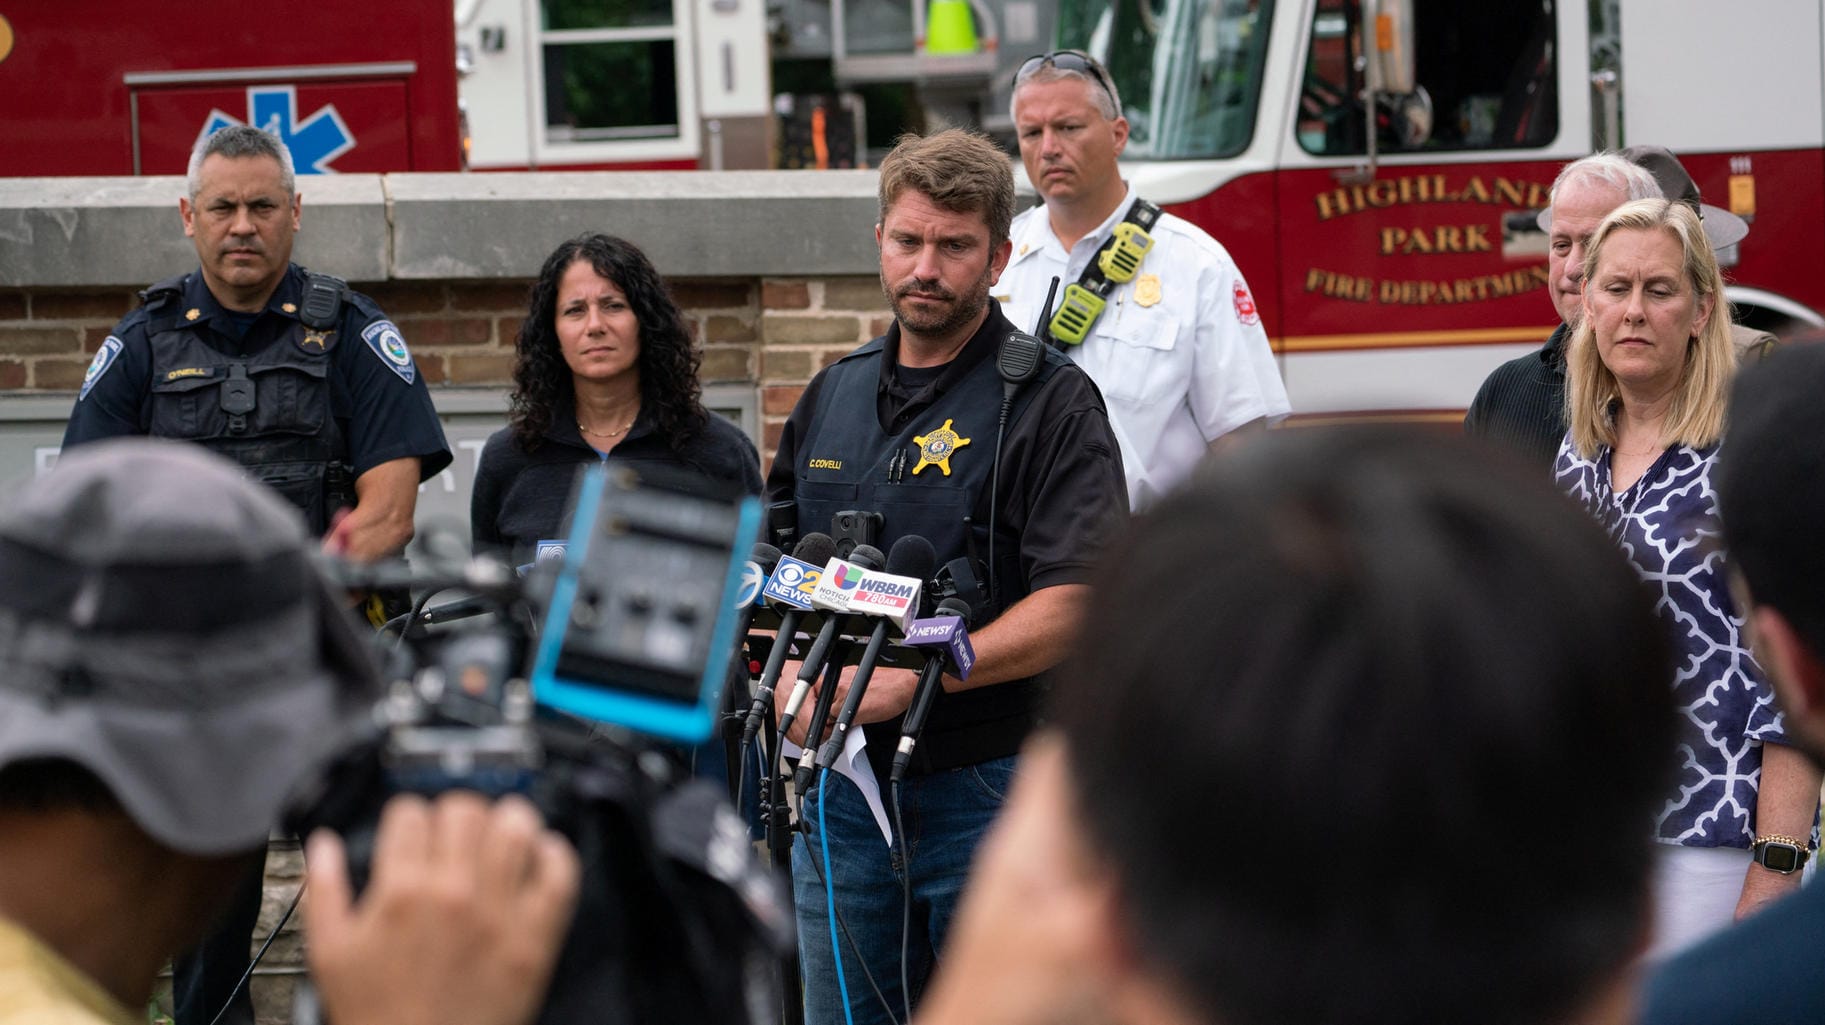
[305, 383]
[906, 427]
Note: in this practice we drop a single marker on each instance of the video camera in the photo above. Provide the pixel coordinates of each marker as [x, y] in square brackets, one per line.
[593, 664]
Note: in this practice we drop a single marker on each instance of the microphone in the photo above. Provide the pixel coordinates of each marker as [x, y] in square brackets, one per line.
[832, 597]
[753, 585]
[484, 574]
[949, 638]
[784, 593]
[462, 608]
[894, 596]
[754, 574]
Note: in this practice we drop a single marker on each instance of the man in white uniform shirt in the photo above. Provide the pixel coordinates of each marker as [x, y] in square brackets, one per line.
[1177, 347]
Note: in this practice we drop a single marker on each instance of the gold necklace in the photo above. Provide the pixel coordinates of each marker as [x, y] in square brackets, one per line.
[608, 434]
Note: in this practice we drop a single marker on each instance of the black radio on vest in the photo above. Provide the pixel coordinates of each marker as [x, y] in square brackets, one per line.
[323, 295]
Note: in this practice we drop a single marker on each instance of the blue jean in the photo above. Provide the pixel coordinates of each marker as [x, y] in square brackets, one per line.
[946, 814]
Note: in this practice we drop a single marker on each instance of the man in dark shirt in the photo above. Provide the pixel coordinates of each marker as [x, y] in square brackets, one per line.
[1771, 494]
[1521, 403]
[906, 426]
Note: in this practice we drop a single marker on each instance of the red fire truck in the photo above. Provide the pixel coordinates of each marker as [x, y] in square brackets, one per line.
[1392, 245]
[104, 87]
[115, 87]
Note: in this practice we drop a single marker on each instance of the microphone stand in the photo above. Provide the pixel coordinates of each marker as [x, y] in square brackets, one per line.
[777, 813]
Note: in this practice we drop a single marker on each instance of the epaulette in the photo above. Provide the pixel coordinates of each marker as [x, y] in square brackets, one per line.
[869, 347]
[155, 296]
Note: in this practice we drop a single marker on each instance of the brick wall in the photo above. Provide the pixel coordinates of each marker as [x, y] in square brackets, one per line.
[772, 333]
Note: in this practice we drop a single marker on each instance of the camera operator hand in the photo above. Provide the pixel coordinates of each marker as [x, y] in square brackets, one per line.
[463, 919]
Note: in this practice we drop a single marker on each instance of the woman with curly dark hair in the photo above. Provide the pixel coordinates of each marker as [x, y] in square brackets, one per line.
[604, 365]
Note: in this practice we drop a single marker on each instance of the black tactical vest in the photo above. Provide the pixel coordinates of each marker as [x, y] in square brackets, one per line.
[925, 478]
[848, 461]
[268, 410]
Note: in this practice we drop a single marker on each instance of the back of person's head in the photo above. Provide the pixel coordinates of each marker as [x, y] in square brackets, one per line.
[1369, 728]
[1771, 484]
[167, 646]
[957, 169]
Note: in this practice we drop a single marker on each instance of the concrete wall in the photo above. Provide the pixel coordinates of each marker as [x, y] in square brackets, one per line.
[775, 270]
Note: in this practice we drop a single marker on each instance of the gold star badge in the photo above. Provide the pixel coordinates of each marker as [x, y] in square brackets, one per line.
[936, 448]
[289, 307]
[192, 313]
[313, 338]
[1147, 289]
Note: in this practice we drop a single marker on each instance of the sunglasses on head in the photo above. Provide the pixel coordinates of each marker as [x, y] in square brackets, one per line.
[1065, 60]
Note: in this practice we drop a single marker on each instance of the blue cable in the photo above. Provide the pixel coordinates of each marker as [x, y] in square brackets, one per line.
[836, 952]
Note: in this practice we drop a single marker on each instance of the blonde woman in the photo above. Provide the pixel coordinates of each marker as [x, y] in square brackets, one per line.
[1647, 376]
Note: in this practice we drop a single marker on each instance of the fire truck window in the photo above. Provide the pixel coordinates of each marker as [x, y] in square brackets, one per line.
[611, 70]
[1189, 71]
[1486, 76]
[588, 14]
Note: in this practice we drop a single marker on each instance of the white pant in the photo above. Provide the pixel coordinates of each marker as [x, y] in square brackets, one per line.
[1695, 894]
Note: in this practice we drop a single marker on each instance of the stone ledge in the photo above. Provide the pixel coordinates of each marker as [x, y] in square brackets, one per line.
[74, 232]
[68, 232]
[692, 224]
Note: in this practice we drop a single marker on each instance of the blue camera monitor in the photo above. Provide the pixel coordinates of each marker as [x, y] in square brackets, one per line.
[641, 626]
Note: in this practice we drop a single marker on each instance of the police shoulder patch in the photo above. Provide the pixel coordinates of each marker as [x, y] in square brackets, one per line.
[386, 341]
[104, 359]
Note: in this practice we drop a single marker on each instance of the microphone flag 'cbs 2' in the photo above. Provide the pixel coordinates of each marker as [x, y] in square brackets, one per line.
[792, 583]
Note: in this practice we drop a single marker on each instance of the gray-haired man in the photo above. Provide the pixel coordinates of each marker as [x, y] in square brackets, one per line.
[1522, 402]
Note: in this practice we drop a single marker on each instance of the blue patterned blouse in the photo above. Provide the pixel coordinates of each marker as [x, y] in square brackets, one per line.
[1666, 524]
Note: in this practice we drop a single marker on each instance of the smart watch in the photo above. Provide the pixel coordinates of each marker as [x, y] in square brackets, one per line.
[1777, 853]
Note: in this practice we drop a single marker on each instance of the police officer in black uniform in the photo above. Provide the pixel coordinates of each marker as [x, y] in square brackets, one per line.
[906, 427]
[305, 383]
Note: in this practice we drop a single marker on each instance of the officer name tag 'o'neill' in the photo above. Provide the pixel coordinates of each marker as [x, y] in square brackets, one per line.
[390, 346]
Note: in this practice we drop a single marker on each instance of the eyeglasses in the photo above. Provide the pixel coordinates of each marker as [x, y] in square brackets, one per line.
[1066, 60]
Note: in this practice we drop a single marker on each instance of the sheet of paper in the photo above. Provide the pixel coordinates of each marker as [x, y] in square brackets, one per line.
[853, 764]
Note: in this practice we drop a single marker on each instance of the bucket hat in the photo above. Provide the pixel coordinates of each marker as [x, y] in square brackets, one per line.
[162, 625]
